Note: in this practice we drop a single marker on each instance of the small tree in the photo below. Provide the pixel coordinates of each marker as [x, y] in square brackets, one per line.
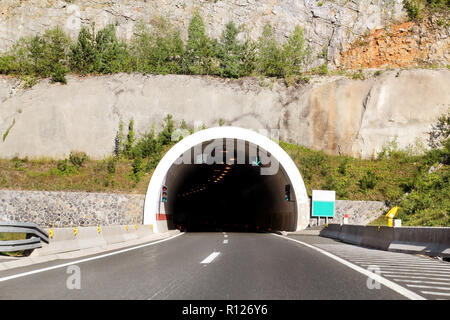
[269, 54]
[83, 53]
[200, 49]
[230, 52]
[295, 53]
[130, 139]
[111, 54]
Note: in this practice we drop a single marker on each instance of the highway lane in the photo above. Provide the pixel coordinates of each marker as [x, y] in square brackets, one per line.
[202, 266]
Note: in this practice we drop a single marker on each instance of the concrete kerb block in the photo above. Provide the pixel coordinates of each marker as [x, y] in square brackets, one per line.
[115, 234]
[331, 231]
[351, 234]
[430, 241]
[377, 237]
[65, 239]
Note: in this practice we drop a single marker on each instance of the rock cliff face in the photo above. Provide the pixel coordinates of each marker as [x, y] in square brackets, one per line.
[334, 114]
[331, 25]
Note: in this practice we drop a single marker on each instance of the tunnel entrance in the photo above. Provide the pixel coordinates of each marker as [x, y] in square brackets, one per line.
[226, 179]
[227, 194]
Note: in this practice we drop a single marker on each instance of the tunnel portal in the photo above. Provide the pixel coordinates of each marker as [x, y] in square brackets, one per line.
[228, 195]
[226, 179]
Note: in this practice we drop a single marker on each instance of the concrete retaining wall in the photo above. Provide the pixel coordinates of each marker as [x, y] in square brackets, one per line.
[430, 241]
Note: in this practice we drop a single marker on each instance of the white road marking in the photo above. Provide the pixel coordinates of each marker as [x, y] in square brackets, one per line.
[428, 287]
[226, 236]
[415, 266]
[428, 274]
[436, 293]
[211, 257]
[421, 281]
[415, 277]
[86, 260]
[225, 241]
[433, 275]
[388, 283]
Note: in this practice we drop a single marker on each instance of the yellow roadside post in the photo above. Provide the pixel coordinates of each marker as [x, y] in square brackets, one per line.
[391, 215]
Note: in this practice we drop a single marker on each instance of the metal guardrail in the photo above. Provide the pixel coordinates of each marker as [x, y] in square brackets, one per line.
[34, 236]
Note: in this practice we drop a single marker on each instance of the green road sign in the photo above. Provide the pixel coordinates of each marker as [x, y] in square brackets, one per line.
[323, 203]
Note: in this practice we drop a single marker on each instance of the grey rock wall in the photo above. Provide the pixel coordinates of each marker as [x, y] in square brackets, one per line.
[71, 209]
[328, 24]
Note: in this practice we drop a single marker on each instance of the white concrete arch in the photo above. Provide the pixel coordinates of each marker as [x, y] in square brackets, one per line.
[152, 198]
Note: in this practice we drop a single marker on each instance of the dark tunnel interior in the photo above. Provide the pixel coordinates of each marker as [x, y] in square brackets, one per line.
[227, 195]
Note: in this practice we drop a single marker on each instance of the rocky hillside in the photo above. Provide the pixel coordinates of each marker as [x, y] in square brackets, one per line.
[330, 26]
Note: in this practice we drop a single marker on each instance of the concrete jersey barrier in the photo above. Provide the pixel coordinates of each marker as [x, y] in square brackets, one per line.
[431, 241]
[73, 239]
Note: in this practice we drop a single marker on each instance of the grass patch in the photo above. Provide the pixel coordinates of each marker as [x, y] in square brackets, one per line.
[6, 236]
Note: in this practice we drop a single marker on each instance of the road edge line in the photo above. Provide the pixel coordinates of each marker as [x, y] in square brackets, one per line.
[388, 283]
[24, 274]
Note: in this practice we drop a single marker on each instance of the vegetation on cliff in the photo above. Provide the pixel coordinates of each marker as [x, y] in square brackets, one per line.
[418, 183]
[157, 51]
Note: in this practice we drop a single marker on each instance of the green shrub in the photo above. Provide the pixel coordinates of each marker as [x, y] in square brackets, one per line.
[414, 8]
[368, 181]
[165, 136]
[159, 51]
[112, 55]
[78, 158]
[111, 165]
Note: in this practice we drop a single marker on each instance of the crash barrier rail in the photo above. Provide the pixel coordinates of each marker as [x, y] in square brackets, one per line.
[430, 241]
[34, 236]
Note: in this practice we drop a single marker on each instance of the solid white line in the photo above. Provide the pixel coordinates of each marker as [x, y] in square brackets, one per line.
[436, 293]
[428, 287]
[211, 257]
[392, 285]
[86, 260]
[225, 241]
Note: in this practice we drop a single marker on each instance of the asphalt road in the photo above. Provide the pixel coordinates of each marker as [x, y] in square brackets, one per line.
[236, 266]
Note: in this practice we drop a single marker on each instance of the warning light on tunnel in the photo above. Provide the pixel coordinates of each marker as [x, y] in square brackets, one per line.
[287, 192]
[164, 194]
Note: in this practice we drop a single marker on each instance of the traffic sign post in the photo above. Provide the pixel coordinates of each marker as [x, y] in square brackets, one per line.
[323, 204]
